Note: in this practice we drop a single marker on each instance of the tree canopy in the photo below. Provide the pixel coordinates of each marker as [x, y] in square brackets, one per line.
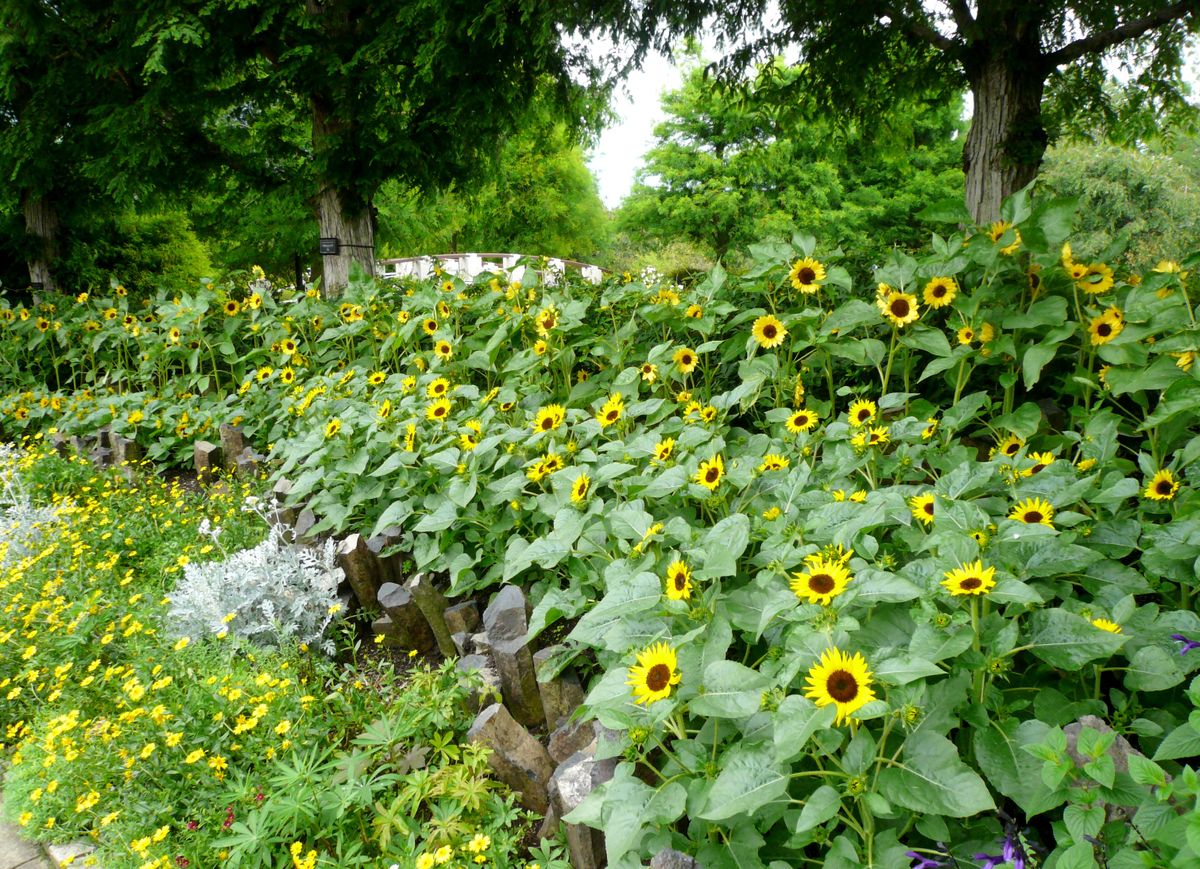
[1027, 64]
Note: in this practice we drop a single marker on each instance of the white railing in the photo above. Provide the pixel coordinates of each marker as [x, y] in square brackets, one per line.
[469, 266]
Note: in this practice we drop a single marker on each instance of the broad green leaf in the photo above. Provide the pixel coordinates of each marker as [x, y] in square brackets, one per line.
[932, 778]
[796, 719]
[1065, 640]
[749, 780]
[1153, 668]
[1034, 361]
[820, 806]
[1012, 771]
[730, 690]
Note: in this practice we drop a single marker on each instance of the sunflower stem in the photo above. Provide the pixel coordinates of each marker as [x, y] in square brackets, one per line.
[887, 374]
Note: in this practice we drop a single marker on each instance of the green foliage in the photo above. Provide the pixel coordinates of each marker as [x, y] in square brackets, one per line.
[1148, 203]
[728, 168]
[842, 561]
[539, 198]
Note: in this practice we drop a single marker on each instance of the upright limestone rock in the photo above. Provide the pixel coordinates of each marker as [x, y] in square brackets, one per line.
[561, 695]
[506, 624]
[233, 441]
[407, 626]
[361, 568]
[517, 759]
[433, 604]
[573, 780]
[207, 458]
[283, 489]
[463, 618]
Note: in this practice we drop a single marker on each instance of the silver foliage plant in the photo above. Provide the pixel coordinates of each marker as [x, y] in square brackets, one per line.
[22, 523]
[268, 593]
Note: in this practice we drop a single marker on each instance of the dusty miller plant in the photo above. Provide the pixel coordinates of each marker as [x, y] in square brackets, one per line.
[267, 593]
[21, 521]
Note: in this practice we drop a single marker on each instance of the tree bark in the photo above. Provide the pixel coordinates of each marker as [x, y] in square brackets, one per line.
[1008, 136]
[41, 225]
[340, 216]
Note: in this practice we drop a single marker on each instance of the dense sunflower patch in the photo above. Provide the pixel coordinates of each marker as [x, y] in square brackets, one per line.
[890, 576]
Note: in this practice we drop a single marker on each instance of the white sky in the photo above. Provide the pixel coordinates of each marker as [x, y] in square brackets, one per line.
[618, 153]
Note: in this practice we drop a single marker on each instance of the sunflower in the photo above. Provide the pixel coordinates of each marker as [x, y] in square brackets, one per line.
[940, 292]
[1009, 447]
[264, 373]
[875, 437]
[402, 317]
[842, 680]
[710, 472]
[611, 411]
[437, 387]
[1106, 625]
[333, 427]
[679, 581]
[970, 578]
[686, 360]
[931, 428]
[1041, 461]
[549, 417]
[443, 310]
[998, 230]
[376, 378]
[1033, 511]
[540, 347]
[1105, 327]
[1097, 278]
[806, 275]
[579, 489]
[768, 331]
[385, 409]
[900, 308]
[774, 462]
[443, 349]
[694, 312]
[966, 335]
[801, 420]
[862, 411]
[429, 326]
[823, 580]
[663, 449]
[708, 413]
[232, 307]
[546, 320]
[654, 674]
[448, 286]
[649, 372]
[1162, 486]
[922, 508]
[439, 410]
[287, 375]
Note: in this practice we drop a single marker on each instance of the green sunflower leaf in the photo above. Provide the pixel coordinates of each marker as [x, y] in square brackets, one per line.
[933, 779]
[750, 780]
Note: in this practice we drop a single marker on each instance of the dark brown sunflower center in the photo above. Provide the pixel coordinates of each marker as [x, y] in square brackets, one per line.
[712, 475]
[1104, 330]
[612, 416]
[439, 411]
[1034, 516]
[970, 583]
[685, 359]
[900, 308]
[548, 323]
[547, 424]
[658, 677]
[806, 275]
[874, 438]
[1011, 449]
[680, 581]
[927, 509]
[938, 291]
[842, 686]
[863, 415]
[1038, 467]
[769, 331]
[821, 583]
[1163, 487]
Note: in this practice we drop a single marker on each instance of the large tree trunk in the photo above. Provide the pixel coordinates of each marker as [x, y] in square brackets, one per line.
[356, 239]
[1008, 138]
[41, 225]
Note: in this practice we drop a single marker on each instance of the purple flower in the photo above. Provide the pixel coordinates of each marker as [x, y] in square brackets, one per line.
[924, 862]
[990, 861]
[1014, 853]
[1188, 645]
